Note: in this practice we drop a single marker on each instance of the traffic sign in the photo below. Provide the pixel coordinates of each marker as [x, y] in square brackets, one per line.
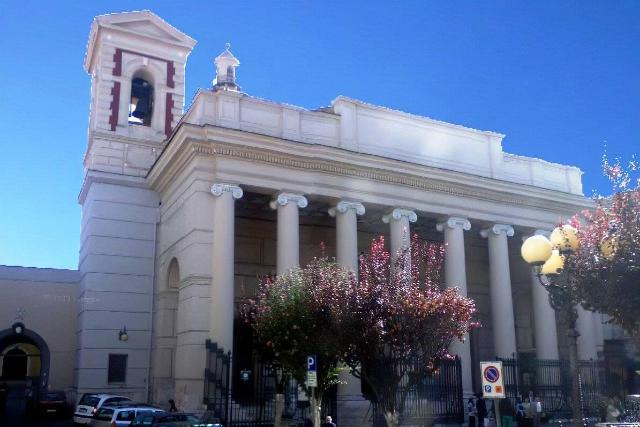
[492, 380]
[311, 363]
[312, 374]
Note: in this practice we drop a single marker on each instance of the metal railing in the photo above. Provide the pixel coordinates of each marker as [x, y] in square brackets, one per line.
[550, 380]
[250, 399]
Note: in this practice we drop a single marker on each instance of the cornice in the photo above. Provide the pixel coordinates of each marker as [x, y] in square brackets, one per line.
[209, 141]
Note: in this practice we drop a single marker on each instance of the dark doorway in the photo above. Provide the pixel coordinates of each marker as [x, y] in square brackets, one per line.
[14, 366]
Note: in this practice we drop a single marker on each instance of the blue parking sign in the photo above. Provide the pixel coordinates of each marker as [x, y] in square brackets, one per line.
[311, 363]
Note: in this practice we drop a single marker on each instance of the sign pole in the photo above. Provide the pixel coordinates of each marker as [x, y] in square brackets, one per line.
[493, 386]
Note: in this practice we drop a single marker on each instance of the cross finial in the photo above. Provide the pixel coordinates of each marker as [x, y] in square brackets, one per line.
[227, 45]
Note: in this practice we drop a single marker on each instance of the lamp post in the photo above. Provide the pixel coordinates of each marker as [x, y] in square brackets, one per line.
[547, 256]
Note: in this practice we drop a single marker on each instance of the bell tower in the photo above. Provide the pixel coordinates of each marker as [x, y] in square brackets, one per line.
[137, 66]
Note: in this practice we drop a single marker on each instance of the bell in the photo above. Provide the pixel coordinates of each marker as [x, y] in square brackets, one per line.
[142, 109]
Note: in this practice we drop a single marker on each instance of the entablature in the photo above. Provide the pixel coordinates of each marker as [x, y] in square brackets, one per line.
[261, 161]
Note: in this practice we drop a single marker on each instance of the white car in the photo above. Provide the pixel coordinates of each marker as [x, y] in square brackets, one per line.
[121, 415]
[89, 404]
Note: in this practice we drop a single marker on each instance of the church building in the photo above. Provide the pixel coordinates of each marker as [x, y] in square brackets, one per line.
[183, 211]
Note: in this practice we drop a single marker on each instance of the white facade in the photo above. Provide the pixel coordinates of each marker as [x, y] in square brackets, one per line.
[164, 206]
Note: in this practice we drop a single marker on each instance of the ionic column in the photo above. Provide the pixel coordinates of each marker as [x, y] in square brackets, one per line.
[222, 282]
[587, 349]
[599, 331]
[288, 253]
[349, 394]
[346, 213]
[504, 332]
[398, 220]
[544, 317]
[455, 275]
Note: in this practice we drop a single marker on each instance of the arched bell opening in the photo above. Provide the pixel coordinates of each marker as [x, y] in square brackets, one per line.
[142, 99]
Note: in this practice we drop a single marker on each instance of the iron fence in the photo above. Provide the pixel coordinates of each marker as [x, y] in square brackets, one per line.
[248, 399]
[550, 380]
[435, 398]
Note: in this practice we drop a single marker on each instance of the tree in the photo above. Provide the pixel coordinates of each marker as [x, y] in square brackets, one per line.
[292, 317]
[606, 268]
[396, 323]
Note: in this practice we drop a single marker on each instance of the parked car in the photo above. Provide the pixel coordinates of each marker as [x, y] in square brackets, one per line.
[89, 404]
[52, 402]
[121, 415]
[165, 419]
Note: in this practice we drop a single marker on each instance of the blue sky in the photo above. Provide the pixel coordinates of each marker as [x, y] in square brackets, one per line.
[560, 78]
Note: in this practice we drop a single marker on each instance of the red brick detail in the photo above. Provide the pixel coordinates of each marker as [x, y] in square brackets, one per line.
[168, 115]
[117, 58]
[115, 105]
[171, 72]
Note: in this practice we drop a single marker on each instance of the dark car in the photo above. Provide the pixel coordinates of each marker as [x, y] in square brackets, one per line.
[52, 402]
[167, 419]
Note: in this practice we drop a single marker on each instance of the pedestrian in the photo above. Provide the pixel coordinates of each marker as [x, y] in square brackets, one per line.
[520, 414]
[537, 412]
[506, 412]
[481, 410]
[328, 422]
[172, 406]
[471, 411]
[612, 411]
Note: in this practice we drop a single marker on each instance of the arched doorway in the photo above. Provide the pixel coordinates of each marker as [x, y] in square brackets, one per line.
[14, 364]
[24, 369]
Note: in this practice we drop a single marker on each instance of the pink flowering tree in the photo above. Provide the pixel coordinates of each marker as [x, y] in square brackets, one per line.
[606, 267]
[396, 323]
[293, 316]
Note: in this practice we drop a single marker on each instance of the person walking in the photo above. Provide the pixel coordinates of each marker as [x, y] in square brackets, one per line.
[520, 414]
[506, 412]
[481, 409]
[471, 411]
[328, 422]
[172, 406]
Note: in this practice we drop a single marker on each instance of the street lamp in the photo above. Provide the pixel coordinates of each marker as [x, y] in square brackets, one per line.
[548, 256]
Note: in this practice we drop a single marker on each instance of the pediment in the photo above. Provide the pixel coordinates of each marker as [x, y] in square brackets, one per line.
[147, 24]
[147, 28]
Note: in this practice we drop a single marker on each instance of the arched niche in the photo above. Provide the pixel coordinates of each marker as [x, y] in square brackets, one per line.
[18, 338]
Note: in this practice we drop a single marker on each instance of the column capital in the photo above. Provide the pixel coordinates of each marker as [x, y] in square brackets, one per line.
[344, 205]
[544, 233]
[454, 222]
[282, 199]
[397, 215]
[497, 229]
[218, 189]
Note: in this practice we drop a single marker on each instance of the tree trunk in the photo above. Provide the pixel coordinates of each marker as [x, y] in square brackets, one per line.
[315, 402]
[279, 409]
[392, 418]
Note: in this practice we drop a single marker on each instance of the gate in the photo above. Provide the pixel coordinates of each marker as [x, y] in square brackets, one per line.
[249, 400]
[551, 381]
[435, 399]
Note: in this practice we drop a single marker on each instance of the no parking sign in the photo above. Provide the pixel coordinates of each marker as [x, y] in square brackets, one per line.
[492, 380]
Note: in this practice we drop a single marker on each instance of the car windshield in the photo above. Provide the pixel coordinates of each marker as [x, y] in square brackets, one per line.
[105, 414]
[89, 400]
